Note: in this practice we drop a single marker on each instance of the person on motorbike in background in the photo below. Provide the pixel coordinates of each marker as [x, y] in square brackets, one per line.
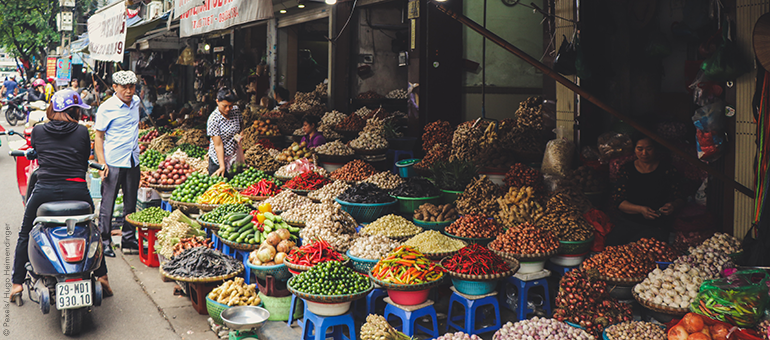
[63, 148]
[49, 89]
[10, 87]
[37, 93]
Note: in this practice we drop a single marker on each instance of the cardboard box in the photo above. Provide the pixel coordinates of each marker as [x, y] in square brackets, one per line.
[147, 195]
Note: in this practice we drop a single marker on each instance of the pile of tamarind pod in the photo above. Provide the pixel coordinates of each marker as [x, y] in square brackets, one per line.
[520, 175]
[438, 152]
[579, 200]
[518, 206]
[479, 197]
[564, 221]
[438, 132]
[429, 212]
[466, 142]
[525, 238]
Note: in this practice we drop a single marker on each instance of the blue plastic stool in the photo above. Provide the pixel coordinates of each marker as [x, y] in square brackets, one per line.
[215, 242]
[291, 311]
[243, 256]
[557, 269]
[369, 303]
[314, 327]
[397, 157]
[524, 286]
[409, 319]
[166, 206]
[471, 310]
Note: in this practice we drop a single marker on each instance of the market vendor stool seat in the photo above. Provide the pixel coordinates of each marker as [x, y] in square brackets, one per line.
[523, 295]
[397, 156]
[314, 327]
[291, 311]
[166, 206]
[243, 256]
[557, 269]
[148, 255]
[370, 302]
[409, 316]
[472, 303]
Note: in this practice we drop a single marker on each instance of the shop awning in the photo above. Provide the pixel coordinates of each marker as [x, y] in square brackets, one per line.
[138, 28]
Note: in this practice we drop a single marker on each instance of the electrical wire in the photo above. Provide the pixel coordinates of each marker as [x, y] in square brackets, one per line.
[352, 10]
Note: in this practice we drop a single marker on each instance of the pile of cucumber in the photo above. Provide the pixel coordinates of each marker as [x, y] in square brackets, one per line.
[245, 228]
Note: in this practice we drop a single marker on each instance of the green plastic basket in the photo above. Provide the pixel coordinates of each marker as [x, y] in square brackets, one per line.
[407, 205]
[432, 225]
[279, 271]
[361, 265]
[575, 247]
[449, 196]
[279, 307]
[215, 309]
[367, 212]
[474, 287]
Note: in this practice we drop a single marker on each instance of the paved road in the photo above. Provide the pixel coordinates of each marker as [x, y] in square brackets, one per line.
[130, 314]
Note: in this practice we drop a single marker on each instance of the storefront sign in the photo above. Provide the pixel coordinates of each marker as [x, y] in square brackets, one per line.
[107, 33]
[63, 71]
[215, 15]
[50, 68]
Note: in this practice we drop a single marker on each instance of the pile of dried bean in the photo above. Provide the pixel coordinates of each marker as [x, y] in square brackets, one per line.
[438, 132]
[525, 239]
[351, 123]
[329, 191]
[474, 226]
[287, 200]
[391, 226]
[353, 171]
[385, 180]
[372, 247]
[335, 148]
[479, 197]
[626, 261]
[434, 242]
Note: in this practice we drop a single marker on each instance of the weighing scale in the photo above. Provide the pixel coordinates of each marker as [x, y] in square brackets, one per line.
[244, 321]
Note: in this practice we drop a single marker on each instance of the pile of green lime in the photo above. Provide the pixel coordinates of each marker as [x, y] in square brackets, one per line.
[251, 176]
[153, 215]
[194, 186]
[330, 278]
[151, 158]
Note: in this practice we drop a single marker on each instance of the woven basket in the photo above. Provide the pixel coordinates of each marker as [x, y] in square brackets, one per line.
[279, 271]
[256, 198]
[408, 288]
[679, 312]
[142, 224]
[329, 298]
[367, 212]
[285, 179]
[301, 268]
[480, 241]
[575, 247]
[300, 191]
[202, 280]
[298, 224]
[360, 264]
[215, 310]
[432, 225]
[526, 257]
[183, 205]
[619, 281]
[439, 256]
[235, 245]
[162, 187]
[207, 225]
[207, 207]
[370, 152]
[513, 263]
[335, 159]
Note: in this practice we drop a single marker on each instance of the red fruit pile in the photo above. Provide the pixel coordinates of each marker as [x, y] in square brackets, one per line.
[586, 301]
[657, 250]
[149, 136]
[170, 172]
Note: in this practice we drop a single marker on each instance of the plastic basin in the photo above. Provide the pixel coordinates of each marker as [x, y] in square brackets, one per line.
[575, 247]
[531, 267]
[408, 298]
[474, 287]
[432, 225]
[449, 196]
[367, 212]
[406, 167]
[568, 260]
[328, 309]
[407, 205]
[279, 271]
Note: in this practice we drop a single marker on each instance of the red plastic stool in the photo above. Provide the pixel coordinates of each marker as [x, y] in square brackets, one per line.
[148, 257]
[198, 292]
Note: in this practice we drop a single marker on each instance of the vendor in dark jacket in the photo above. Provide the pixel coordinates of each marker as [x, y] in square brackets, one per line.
[63, 148]
[646, 194]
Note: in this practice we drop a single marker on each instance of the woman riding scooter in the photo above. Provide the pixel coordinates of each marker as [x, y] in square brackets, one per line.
[37, 93]
[63, 148]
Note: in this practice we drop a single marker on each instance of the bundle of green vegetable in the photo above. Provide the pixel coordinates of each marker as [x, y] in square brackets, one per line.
[153, 215]
[251, 176]
[194, 186]
[219, 214]
[176, 226]
[151, 158]
[330, 278]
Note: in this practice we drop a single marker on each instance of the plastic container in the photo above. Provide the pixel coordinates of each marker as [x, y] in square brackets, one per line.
[531, 267]
[279, 271]
[331, 166]
[449, 196]
[361, 265]
[279, 307]
[367, 212]
[432, 225]
[495, 177]
[408, 298]
[568, 260]
[663, 265]
[215, 310]
[406, 167]
[407, 205]
[474, 287]
[328, 309]
[575, 247]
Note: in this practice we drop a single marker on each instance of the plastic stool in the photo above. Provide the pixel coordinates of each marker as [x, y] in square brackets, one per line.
[243, 256]
[397, 157]
[148, 257]
[559, 270]
[166, 206]
[523, 294]
[371, 302]
[314, 327]
[409, 316]
[291, 311]
[472, 304]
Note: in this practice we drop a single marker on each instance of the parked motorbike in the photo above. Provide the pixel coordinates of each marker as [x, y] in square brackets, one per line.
[25, 168]
[17, 109]
[65, 249]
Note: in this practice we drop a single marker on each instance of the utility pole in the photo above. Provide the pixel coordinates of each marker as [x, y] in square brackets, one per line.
[65, 23]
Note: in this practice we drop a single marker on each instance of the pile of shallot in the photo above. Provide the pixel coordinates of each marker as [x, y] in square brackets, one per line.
[540, 328]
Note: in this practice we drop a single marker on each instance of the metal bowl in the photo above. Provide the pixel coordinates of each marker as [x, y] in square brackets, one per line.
[244, 317]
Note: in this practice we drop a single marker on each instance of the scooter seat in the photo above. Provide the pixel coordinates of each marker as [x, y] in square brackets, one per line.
[64, 208]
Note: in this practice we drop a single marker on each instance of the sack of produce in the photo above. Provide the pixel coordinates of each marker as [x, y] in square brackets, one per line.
[557, 159]
[738, 299]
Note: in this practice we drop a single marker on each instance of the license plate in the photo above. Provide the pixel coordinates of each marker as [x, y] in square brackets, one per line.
[74, 294]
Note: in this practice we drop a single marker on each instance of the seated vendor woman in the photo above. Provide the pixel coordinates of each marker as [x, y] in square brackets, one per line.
[312, 138]
[646, 194]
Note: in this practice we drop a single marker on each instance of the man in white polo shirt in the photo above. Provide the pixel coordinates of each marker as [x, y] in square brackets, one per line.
[117, 146]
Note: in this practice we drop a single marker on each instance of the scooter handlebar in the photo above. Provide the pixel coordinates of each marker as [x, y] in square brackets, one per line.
[17, 153]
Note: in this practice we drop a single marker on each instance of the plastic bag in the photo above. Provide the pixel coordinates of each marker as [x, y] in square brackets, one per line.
[603, 226]
[710, 135]
[564, 62]
[738, 299]
[557, 159]
[727, 63]
[613, 145]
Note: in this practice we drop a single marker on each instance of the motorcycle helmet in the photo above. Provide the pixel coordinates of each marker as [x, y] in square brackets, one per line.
[38, 82]
[51, 80]
[67, 98]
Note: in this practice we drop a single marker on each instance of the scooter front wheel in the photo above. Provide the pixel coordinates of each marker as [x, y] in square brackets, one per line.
[72, 320]
[10, 116]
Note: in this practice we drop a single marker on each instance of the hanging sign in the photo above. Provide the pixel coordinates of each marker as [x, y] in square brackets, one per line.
[107, 33]
[214, 15]
[50, 68]
[63, 71]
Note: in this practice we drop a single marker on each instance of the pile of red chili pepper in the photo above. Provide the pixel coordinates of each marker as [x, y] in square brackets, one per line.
[406, 265]
[314, 253]
[262, 188]
[266, 143]
[474, 259]
[310, 180]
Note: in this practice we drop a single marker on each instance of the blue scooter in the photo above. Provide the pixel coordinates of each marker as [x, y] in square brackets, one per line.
[64, 250]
